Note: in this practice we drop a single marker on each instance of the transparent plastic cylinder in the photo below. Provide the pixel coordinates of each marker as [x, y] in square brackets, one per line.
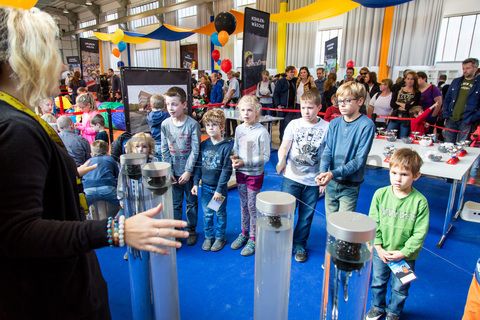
[138, 261]
[348, 262]
[163, 268]
[273, 254]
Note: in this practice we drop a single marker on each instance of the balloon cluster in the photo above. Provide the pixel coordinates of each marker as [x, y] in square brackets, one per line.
[116, 38]
[225, 24]
[225, 64]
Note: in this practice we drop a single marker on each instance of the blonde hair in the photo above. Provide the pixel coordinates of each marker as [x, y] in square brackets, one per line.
[28, 46]
[216, 116]
[141, 137]
[415, 110]
[99, 148]
[355, 89]
[252, 101]
[157, 101]
[407, 159]
[85, 98]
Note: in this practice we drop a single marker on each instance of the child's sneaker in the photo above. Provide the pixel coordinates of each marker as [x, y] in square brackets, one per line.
[192, 238]
[391, 316]
[249, 249]
[207, 244]
[218, 245]
[374, 314]
[239, 242]
[301, 255]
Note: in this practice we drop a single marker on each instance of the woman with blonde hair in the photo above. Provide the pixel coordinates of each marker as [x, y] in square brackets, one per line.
[49, 267]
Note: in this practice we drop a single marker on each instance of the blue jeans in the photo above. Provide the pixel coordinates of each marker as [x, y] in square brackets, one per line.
[399, 292]
[456, 136]
[219, 232]
[403, 127]
[307, 200]
[178, 190]
[474, 169]
[340, 197]
[104, 193]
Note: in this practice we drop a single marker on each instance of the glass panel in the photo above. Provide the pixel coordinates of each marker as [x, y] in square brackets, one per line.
[441, 40]
[465, 39]
[475, 49]
[452, 38]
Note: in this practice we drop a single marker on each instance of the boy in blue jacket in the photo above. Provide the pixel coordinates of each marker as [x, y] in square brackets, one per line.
[155, 119]
[214, 168]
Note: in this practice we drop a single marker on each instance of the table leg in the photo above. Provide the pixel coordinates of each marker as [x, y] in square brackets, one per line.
[447, 226]
[461, 196]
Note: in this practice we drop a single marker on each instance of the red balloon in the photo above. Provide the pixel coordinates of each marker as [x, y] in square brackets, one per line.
[215, 55]
[350, 64]
[226, 65]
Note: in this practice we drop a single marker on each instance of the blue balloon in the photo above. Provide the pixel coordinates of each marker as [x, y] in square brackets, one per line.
[122, 46]
[215, 39]
[219, 62]
[120, 64]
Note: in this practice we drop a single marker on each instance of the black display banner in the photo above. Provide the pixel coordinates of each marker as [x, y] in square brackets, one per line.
[139, 84]
[331, 53]
[255, 43]
[187, 60]
[73, 64]
[90, 60]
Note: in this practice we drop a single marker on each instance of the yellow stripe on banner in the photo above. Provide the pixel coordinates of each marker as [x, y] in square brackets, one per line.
[321, 9]
[128, 39]
[383, 69]
[282, 40]
[20, 4]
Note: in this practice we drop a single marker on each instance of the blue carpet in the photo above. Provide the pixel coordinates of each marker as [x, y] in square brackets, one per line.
[220, 285]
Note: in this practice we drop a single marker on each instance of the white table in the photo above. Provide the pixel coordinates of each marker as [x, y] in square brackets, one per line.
[458, 173]
[263, 119]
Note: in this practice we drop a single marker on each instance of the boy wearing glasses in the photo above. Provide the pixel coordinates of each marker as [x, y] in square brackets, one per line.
[348, 142]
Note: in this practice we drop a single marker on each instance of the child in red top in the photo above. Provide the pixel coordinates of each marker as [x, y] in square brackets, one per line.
[420, 117]
[475, 143]
[333, 111]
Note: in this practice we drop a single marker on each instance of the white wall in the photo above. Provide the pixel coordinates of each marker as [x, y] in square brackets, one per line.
[459, 7]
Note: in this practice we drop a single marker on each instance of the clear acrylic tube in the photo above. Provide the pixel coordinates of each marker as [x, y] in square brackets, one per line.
[273, 254]
[157, 188]
[138, 261]
[348, 262]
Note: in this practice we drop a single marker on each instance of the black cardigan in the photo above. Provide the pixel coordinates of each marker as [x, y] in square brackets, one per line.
[48, 269]
[393, 103]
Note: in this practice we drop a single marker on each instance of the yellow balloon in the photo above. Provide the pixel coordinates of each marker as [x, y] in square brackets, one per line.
[117, 36]
[21, 4]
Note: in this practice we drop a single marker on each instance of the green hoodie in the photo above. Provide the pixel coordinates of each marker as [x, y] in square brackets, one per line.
[402, 224]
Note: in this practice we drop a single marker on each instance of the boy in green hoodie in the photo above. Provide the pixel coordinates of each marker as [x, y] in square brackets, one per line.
[402, 216]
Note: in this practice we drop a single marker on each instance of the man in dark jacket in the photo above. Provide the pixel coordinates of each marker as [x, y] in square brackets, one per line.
[216, 94]
[461, 108]
[284, 98]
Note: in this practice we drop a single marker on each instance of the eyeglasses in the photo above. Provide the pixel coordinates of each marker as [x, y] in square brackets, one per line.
[346, 101]
[363, 73]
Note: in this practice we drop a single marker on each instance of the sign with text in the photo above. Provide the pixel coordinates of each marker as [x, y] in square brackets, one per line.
[255, 44]
[90, 60]
[331, 53]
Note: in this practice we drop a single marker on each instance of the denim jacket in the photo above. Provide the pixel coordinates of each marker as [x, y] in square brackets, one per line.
[472, 108]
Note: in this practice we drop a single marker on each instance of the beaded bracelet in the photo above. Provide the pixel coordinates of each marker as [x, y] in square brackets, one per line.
[116, 231]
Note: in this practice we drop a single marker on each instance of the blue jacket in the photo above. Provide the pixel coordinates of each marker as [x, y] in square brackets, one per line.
[216, 94]
[154, 120]
[280, 95]
[472, 108]
[214, 166]
[106, 173]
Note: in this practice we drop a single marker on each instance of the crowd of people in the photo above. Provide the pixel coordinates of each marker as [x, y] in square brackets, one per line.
[47, 244]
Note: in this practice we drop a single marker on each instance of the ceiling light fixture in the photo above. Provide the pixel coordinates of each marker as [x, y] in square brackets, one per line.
[65, 10]
[88, 3]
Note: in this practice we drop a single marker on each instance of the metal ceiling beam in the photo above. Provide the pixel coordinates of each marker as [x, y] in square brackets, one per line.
[94, 8]
[71, 16]
[149, 13]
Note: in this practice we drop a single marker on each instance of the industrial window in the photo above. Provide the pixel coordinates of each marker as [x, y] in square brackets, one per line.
[143, 21]
[87, 34]
[322, 37]
[459, 38]
[110, 17]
